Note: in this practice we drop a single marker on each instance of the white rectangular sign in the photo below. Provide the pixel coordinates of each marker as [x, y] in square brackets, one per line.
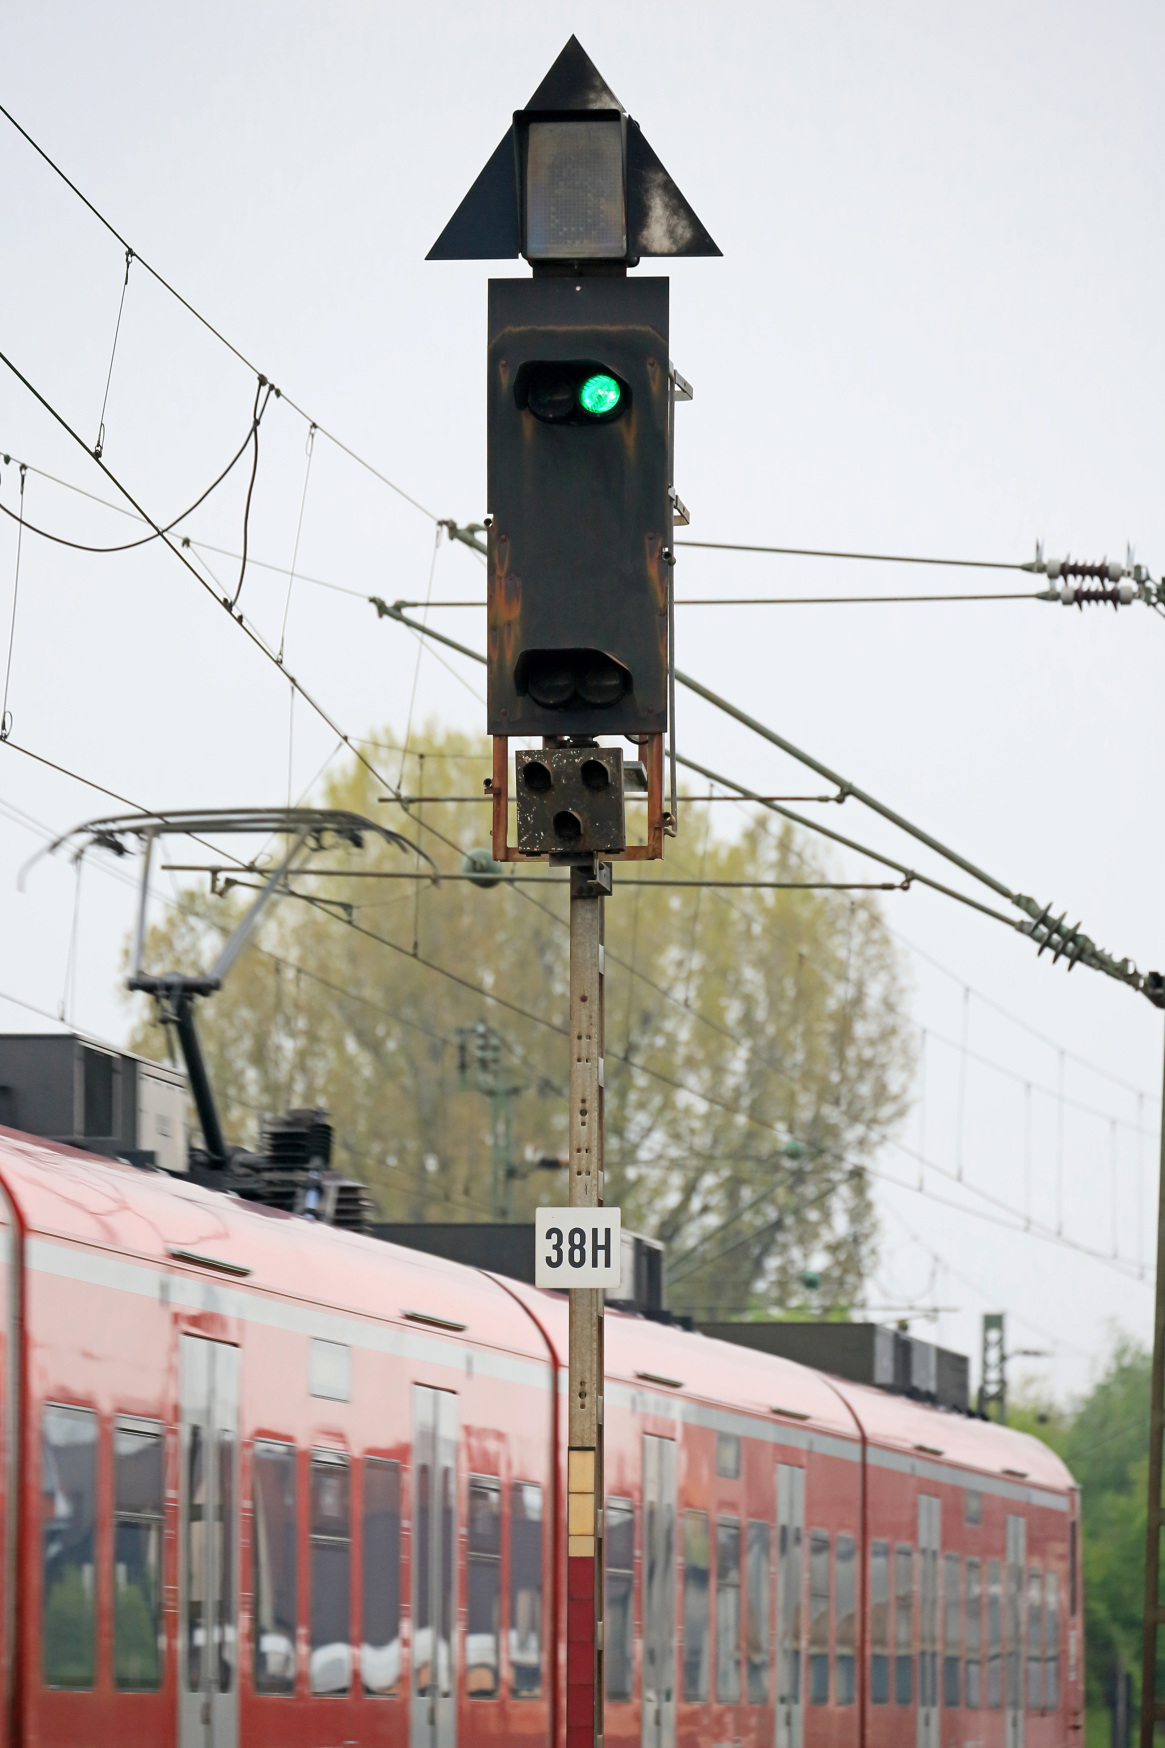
[576, 1247]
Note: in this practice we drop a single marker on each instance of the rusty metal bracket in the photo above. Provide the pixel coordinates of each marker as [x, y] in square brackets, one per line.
[498, 786]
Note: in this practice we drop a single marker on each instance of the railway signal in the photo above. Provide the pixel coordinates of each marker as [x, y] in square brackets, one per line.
[581, 397]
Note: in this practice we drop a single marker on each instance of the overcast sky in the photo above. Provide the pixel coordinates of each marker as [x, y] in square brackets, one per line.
[935, 330]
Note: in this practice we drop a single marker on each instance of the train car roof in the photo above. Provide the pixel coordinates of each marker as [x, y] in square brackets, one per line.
[667, 1361]
[898, 1423]
[62, 1193]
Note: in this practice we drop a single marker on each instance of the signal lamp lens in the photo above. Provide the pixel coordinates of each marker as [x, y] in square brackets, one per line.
[599, 395]
[601, 682]
[551, 397]
[567, 826]
[537, 778]
[551, 683]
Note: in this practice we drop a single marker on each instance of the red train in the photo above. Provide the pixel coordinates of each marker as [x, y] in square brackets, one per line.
[267, 1483]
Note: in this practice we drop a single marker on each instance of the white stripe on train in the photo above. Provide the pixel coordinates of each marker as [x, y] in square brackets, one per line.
[258, 1306]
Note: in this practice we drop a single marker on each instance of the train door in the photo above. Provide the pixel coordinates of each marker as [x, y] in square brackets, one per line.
[1016, 1561]
[659, 1592]
[433, 1710]
[208, 1557]
[929, 1535]
[790, 1537]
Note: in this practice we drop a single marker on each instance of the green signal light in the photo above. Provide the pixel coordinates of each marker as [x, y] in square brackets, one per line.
[599, 394]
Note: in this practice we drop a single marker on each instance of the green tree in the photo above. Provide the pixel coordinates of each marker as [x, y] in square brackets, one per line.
[756, 1047]
[1105, 1443]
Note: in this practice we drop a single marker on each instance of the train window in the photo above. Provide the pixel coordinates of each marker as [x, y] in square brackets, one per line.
[329, 1370]
[619, 1630]
[68, 1512]
[903, 1625]
[484, 1589]
[380, 1616]
[880, 1623]
[1035, 1640]
[696, 1605]
[952, 1636]
[972, 1507]
[843, 1620]
[526, 1590]
[994, 1635]
[224, 1529]
[331, 1568]
[1052, 1641]
[756, 1631]
[197, 1556]
[973, 1690]
[728, 1609]
[728, 1455]
[138, 1638]
[273, 1549]
[818, 1618]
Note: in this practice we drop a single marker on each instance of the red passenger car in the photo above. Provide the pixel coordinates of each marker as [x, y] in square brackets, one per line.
[266, 1483]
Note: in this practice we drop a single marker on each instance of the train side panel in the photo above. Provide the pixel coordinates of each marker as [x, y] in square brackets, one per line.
[974, 1603]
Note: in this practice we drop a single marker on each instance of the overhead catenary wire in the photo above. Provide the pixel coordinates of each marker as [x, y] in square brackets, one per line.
[236, 615]
[188, 541]
[552, 880]
[140, 515]
[807, 600]
[256, 419]
[681, 600]
[844, 789]
[5, 718]
[974, 564]
[208, 325]
[310, 448]
[99, 446]
[1040, 926]
[384, 610]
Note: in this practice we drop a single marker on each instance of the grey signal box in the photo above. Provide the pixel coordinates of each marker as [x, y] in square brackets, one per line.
[580, 534]
[68, 1088]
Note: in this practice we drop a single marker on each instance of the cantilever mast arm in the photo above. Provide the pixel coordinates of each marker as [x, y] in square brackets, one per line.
[243, 932]
[139, 940]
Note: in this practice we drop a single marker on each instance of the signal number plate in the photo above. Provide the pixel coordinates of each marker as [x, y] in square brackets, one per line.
[576, 1247]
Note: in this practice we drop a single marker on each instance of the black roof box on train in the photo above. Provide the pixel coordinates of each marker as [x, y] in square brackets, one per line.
[507, 1248]
[866, 1353]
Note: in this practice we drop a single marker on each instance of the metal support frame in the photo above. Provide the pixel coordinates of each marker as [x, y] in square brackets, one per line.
[486, 1043]
[590, 882]
[993, 1376]
[1152, 1697]
[678, 389]
[247, 923]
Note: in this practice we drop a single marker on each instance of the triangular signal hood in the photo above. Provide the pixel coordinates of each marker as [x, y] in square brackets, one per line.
[487, 226]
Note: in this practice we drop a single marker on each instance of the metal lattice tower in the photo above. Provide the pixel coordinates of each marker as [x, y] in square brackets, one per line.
[993, 1388]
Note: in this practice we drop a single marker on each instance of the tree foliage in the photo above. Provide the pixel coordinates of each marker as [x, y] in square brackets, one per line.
[756, 1048]
[1105, 1443]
